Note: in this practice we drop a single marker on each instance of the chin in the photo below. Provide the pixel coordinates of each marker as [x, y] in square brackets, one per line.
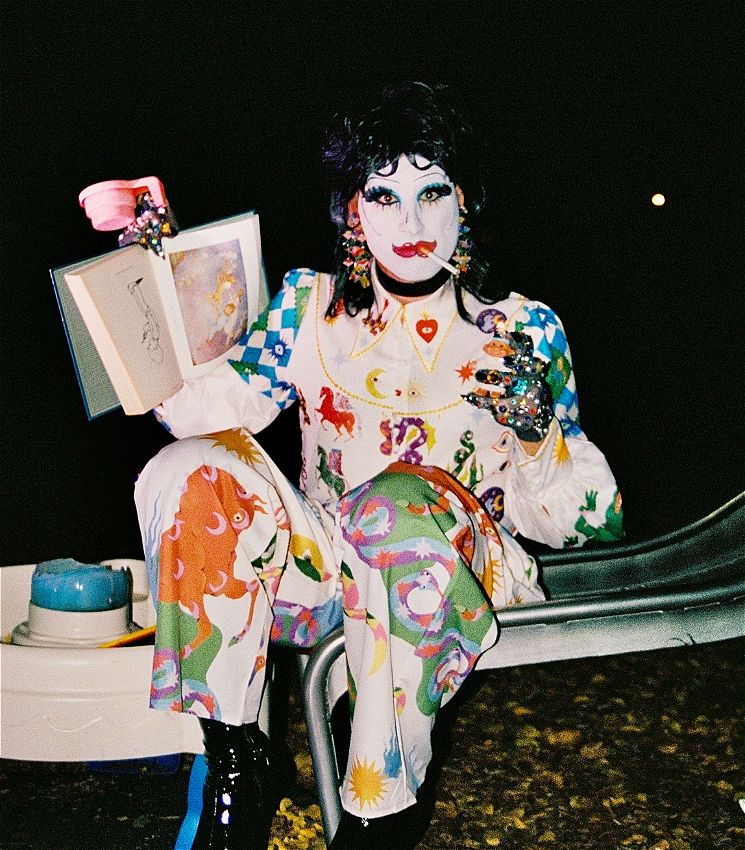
[423, 270]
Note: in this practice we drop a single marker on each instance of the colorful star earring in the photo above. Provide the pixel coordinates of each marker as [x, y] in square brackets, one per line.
[462, 257]
[358, 255]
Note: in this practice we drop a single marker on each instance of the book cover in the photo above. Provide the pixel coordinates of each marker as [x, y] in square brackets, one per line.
[99, 395]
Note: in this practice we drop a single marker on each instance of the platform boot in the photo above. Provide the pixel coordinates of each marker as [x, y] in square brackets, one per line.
[240, 790]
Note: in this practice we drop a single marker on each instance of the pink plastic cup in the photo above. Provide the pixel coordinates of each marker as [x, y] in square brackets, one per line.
[111, 205]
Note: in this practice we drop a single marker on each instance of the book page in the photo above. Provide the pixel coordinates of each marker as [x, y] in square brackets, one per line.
[212, 292]
[119, 298]
[217, 289]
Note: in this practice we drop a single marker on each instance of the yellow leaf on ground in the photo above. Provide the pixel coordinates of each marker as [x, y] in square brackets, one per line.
[593, 751]
[556, 778]
[446, 809]
[564, 738]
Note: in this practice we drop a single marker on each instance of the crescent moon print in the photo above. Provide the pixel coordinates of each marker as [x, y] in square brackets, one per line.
[222, 524]
[373, 383]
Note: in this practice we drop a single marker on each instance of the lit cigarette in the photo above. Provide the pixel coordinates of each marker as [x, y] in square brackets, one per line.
[439, 260]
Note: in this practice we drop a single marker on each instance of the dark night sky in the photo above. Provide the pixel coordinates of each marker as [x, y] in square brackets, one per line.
[586, 108]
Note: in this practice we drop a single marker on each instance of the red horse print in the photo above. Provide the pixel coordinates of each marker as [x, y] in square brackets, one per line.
[197, 553]
[338, 417]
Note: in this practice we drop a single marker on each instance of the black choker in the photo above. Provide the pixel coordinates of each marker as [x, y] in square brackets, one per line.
[412, 289]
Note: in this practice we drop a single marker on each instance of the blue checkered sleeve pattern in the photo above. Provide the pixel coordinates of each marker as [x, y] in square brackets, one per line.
[270, 340]
[554, 348]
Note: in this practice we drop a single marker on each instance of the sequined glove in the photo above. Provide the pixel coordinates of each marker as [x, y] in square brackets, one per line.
[151, 223]
[519, 398]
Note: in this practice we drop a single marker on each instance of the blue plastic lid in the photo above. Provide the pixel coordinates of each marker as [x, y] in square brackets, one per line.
[67, 585]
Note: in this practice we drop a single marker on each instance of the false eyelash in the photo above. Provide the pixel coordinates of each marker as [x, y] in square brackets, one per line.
[442, 189]
[376, 192]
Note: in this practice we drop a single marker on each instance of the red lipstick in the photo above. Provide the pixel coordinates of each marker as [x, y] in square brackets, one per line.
[408, 249]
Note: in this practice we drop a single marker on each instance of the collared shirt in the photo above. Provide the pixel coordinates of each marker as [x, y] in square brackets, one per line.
[389, 384]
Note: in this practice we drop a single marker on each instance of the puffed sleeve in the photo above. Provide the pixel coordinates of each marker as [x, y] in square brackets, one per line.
[250, 392]
[566, 494]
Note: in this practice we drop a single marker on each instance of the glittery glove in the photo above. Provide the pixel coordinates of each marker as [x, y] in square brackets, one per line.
[150, 225]
[519, 398]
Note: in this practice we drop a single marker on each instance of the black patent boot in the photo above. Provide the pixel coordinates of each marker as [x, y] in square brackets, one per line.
[240, 796]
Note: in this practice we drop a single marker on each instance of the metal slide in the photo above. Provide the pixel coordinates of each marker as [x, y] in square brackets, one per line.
[682, 588]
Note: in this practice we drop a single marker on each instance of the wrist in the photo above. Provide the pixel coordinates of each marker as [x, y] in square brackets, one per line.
[531, 449]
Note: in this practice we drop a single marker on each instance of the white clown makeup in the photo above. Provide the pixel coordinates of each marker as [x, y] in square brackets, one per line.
[407, 209]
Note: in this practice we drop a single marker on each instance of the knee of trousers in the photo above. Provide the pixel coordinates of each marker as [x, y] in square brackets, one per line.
[171, 467]
[423, 494]
[425, 500]
[196, 485]
[198, 464]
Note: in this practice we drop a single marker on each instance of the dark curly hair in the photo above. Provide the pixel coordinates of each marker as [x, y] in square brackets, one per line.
[411, 119]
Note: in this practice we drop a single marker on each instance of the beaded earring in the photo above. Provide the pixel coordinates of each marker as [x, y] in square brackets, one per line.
[358, 256]
[461, 256]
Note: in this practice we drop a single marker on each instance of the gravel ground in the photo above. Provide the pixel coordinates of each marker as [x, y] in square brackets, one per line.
[643, 751]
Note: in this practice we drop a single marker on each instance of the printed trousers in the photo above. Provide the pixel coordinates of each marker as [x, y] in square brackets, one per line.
[238, 558]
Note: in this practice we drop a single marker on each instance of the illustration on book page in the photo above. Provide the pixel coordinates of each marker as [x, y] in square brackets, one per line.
[151, 328]
[212, 292]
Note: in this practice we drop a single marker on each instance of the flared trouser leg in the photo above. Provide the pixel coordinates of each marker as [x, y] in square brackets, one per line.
[415, 618]
[236, 558]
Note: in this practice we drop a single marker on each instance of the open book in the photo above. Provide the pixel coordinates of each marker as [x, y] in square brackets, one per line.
[138, 324]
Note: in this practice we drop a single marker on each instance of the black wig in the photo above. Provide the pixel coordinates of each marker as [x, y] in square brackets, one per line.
[412, 119]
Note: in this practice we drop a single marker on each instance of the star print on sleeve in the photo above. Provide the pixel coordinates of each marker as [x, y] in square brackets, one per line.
[466, 372]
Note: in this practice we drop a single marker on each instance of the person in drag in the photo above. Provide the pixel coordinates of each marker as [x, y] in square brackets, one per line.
[439, 419]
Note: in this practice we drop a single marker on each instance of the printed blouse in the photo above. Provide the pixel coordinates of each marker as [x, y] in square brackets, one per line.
[389, 384]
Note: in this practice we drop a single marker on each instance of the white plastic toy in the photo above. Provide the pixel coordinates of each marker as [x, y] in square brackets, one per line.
[81, 704]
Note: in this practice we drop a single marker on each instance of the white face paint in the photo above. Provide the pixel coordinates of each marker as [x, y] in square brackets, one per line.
[405, 208]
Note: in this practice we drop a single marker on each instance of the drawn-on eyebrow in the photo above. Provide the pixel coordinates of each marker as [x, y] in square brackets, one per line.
[376, 192]
[442, 189]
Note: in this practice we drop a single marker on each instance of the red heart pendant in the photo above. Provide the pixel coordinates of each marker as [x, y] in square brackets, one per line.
[427, 329]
